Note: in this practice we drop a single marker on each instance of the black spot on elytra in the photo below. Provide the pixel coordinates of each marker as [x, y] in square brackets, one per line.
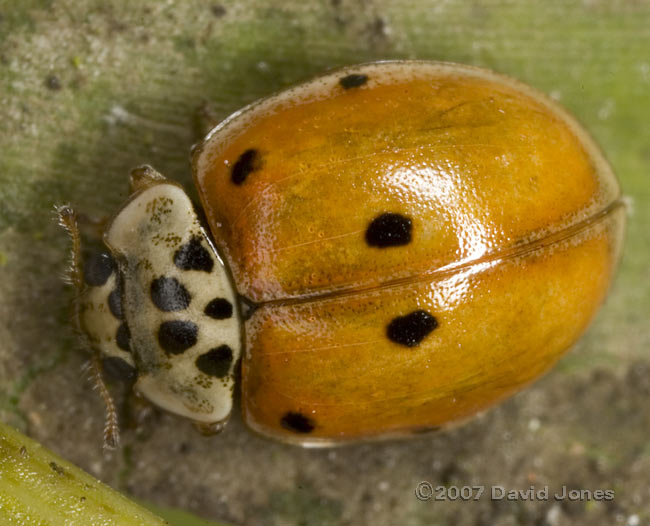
[297, 422]
[411, 329]
[248, 162]
[354, 80]
[169, 294]
[216, 362]
[118, 368]
[98, 268]
[219, 309]
[176, 336]
[193, 256]
[123, 337]
[389, 230]
[115, 303]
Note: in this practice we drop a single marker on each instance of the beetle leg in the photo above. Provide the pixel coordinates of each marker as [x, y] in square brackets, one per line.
[209, 430]
[206, 117]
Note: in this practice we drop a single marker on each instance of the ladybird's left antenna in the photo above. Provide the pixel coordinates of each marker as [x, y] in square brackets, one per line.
[111, 425]
[67, 218]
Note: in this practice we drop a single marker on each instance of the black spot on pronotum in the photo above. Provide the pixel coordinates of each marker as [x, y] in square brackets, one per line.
[169, 294]
[115, 303]
[297, 422]
[216, 362]
[119, 369]
[389, 230]
[411, 329]
[176, 336]
[123, 337]
[354, 80]
[219, 309]
[193, 256]
[98, 268]
[248, 162]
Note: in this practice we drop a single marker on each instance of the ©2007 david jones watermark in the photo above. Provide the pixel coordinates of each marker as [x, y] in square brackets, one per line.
[427, 491]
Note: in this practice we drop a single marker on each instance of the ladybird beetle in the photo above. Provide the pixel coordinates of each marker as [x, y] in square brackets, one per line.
[390, 248]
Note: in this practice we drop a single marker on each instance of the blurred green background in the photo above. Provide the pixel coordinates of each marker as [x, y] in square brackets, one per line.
[91, 88]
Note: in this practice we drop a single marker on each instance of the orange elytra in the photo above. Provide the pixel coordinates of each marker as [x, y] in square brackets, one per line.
[414, 241]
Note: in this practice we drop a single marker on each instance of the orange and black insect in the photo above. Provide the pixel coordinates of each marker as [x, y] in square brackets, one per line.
[412, 242]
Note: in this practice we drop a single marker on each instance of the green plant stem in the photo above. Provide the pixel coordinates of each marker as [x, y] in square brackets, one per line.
[39, 488]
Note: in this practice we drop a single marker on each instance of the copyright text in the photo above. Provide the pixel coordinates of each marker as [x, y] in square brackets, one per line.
[427, 491]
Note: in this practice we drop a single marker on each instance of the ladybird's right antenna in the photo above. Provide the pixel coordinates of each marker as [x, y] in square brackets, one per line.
[67, 218]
